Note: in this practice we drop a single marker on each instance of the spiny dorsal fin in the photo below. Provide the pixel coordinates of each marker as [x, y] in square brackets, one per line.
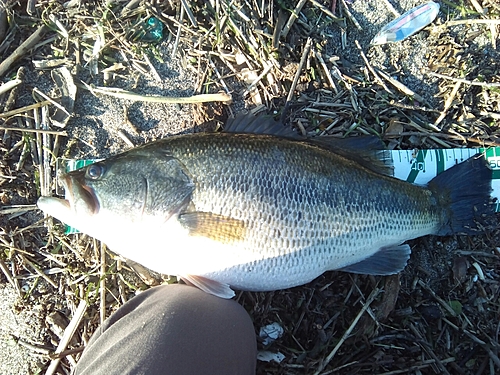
[368, 151]
[216, 227]
[261, 124]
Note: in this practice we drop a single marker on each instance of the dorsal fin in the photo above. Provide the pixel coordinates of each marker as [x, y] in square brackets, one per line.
[368, 151]
[248, 123]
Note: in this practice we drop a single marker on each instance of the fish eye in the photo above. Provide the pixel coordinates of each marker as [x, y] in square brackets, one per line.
[95, 171]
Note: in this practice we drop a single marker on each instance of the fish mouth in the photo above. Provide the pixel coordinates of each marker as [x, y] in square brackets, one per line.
[79, 204]
[79, 196]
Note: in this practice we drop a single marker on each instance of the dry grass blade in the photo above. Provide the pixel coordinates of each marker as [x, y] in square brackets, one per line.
[477, 7]
[466, 81]
[128, 95]
[24, 48]
[303, 59]
[326, 71]
[7, 210]
[34, 348]
[102, 284]
[10, 85]
[293, 16]
[350, 16]
[23, 109]
[487, 347]
[448, 102]
[370, 68]
[467, 22]
[40, 131]
[125, 138]
[189, 12]
[7, 274]
[51, 101]
[326, 11]
[45, 188]
[179, 29]
[258, 79]
[428, 349]
[38, 271]
[443, 303]
[66, 353]
[11, 100]
[68, 334]
[374, 294]
[423, 365]
[400, 86]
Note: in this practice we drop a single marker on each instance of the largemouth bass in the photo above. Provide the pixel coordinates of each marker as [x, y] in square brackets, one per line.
[260, 212]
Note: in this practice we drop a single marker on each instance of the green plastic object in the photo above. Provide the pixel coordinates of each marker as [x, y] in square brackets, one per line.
[150, 31]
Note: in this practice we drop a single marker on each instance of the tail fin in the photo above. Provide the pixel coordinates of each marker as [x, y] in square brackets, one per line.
[464, 193]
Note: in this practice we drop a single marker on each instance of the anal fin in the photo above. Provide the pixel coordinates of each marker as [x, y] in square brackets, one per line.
[388, 260]
[209, 286]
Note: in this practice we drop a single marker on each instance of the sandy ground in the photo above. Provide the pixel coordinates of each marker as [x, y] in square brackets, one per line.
[17, 325]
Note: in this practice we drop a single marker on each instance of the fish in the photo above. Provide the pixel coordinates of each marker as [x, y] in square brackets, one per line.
[257, 208]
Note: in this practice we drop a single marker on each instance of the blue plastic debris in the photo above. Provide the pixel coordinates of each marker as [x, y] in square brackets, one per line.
[149, 31]
[154, 30]
[408, 24]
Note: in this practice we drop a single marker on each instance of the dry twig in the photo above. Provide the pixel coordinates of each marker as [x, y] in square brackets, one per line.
[128, 95]
[68, 334]
[24, 48]
[346, 334]
[466, 81]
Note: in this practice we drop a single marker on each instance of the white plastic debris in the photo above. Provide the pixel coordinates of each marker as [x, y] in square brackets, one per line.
[270, 333]
[266, 356]
[408, 24]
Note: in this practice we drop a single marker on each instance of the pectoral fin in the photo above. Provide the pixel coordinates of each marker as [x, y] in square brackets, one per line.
[387, 261]
[209, 286]
[216, 227]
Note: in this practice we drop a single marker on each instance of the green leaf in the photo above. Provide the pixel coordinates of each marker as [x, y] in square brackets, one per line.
[456, 306]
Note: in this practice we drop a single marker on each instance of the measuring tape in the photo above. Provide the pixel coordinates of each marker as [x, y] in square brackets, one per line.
[419, 167]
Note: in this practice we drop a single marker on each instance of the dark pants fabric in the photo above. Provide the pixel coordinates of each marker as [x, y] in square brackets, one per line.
[173, 329]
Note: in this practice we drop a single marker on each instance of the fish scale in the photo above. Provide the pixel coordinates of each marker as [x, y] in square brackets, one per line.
[337, 223]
